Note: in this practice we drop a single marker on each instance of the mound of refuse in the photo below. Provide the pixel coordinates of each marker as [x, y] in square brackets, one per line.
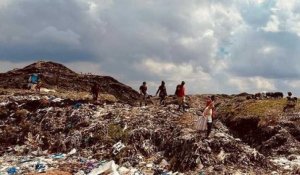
[78, 137]
[55, 75]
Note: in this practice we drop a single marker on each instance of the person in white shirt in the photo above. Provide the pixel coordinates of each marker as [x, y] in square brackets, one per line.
[209, 113]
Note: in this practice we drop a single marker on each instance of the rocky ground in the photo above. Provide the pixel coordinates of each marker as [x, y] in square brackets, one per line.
[60, 135]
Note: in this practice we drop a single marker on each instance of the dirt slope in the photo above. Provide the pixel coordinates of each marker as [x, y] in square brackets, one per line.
[55, 75]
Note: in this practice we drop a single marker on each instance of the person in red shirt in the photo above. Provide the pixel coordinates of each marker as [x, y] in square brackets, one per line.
[180, 93]
[143, 93]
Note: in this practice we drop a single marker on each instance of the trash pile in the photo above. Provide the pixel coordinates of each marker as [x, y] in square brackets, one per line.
[40, 133]
[57, 76]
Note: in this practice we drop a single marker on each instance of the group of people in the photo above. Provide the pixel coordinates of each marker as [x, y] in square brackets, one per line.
[209, 111]
[162, 93]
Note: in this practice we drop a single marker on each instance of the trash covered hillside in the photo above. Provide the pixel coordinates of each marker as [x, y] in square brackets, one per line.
[58, 133]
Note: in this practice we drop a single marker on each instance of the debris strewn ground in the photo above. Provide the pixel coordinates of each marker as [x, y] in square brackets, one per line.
[61, 131]
[46, 133]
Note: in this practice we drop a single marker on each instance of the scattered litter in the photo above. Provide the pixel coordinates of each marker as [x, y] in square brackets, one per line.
[12, 170]
[118, 147]
[39, 167]
[107, 168]
[58, 156]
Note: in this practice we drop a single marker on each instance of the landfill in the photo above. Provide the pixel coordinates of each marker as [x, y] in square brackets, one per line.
[61, 131]
[40, 133]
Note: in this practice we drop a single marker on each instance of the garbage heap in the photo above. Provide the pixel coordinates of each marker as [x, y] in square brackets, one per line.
[46, 133]
[57, 76]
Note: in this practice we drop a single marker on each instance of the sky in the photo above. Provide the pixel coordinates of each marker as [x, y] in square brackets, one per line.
[215, 46]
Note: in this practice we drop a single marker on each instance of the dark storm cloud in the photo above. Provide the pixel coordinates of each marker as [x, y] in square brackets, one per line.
[44, 29]
[204, 42]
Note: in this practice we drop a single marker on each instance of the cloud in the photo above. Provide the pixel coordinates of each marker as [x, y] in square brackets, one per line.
[51, 34]
[272, 25]
[217, 46]
[8, 65]
[255, 83]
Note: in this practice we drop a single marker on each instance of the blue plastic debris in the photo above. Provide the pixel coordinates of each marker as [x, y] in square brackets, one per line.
[39, 167]
[58, 156]
[77, 105]
[12, 170]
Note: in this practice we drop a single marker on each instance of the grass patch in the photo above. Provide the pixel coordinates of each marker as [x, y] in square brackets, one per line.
[269, 111]
[116, 133]
[261, 108]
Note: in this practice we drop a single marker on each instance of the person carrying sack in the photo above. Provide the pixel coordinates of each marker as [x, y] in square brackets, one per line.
[201, 123]
[209, 113]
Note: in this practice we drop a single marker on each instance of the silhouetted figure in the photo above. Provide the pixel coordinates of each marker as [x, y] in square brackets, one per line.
[95, 91]
[143, 93]
[162, 91]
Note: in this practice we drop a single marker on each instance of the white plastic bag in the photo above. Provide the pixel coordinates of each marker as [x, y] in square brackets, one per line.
[201, 123]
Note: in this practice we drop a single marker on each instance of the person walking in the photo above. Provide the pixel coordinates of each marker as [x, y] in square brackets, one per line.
[95, 91]
[162, 91]
[143, 93]
[209, 113]
[180, 93]
[33, 81]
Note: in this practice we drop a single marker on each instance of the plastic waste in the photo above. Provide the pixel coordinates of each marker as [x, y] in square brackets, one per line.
[81, 172]
[138, 173]
[77, 105]
[107, 168]
[118, 147]
[58, 156]
[39, 167]
[12, 170]
[73, 151]
[57, 100]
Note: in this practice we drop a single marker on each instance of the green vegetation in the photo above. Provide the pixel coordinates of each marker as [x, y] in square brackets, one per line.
[269, 111]
[116, 133]
[262, 108]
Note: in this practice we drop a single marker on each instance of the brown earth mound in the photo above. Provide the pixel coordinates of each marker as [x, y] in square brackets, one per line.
[55, 75]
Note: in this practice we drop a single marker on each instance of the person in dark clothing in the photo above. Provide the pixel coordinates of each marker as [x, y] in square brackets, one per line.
[143, 93]
[95, 91]
[162, 93]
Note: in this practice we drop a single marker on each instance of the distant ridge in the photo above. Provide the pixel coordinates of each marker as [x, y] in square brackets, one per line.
[55, 74]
